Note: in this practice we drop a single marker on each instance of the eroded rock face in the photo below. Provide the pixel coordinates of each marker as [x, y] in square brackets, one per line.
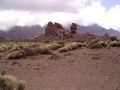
[56, 29]
[49, 30]
[57, 25]
[73, 28]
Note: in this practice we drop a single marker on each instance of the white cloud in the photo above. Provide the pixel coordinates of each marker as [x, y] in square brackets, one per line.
[77, 12]
[40, 5]
[98, 14]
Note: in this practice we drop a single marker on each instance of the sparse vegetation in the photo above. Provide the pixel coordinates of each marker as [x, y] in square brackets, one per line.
[43, 50]
[113, 38]
[114, 44]
[10, 82]
[70, 46]
[2, 49]
[97, 44]
[24, 49]
[29, 51]
[54, 46]
[16, 55]
[63, 49]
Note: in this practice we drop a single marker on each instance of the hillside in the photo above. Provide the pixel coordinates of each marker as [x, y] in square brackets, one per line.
[22, 32]
[26, 32]
[97, 30]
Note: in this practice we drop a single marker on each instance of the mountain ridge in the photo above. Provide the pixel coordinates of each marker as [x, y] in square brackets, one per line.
[24, 32]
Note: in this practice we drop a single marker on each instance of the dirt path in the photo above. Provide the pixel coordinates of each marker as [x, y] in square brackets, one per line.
[82, 69]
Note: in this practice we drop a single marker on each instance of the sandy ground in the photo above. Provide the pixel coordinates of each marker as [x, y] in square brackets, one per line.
[81, 69]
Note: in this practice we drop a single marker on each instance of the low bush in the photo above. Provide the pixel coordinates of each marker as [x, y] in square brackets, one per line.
[16, 55]
[11, 83]
[43, 50]
[113, 38]
[54, 46]
[70, 46]
[97, 45]
[63, 49]
[28, 52]
[2, 49]
[16, 48]
[114, 44]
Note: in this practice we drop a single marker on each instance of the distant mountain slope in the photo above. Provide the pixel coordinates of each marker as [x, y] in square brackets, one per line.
[19, 32]
[24, 32]
[98, 30]
[3, 35]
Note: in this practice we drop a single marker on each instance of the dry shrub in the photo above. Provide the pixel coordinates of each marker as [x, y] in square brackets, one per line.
[15, 55]
[28, 52]
[63, 49]
[97, 44]
[21, 85]
[43, 50]
[92, 42]
[2, 49]
[114, 44]
[113, 38]
[71, 46]
[103, 43]
[11, 83]
[5, 47]
[61, 42]
[16, 48]
[54, 46]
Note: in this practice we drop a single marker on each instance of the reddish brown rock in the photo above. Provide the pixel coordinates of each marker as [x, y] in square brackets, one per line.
[57, 30]
[57, 25]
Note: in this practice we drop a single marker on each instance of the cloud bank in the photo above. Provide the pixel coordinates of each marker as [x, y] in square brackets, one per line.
[29, 12]
[41, 5]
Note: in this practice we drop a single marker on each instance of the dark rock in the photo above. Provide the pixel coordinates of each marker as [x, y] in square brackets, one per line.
[73, 28]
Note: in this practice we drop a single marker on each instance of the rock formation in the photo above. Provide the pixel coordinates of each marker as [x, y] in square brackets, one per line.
[56, 30]
[73, 28]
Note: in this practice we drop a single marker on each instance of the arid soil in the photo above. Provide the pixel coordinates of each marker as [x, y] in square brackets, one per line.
[81, 69]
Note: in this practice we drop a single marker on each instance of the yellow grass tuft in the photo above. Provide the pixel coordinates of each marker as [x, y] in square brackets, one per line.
[29, 52]
[15, 55]
[11, 82]
[54, 46]
[114, 44]
[70, 46]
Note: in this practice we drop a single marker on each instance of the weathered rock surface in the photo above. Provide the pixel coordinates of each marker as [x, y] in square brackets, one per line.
[57, 30]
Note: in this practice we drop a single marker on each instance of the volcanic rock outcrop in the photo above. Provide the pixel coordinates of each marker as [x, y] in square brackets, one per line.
[73, 28]
[56, 30]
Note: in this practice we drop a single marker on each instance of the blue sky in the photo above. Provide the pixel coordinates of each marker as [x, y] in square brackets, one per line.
[106, 3]
[110, 3]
